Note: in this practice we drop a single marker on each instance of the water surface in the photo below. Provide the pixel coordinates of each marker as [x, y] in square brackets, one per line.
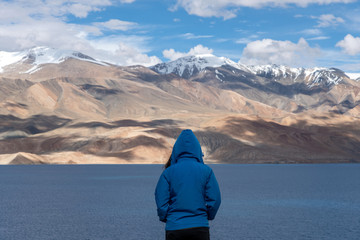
[117, 202]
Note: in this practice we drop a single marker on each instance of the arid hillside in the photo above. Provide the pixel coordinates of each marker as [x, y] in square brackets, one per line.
[81, 112]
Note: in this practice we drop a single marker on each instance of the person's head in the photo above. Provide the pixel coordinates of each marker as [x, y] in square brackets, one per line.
[186, 146]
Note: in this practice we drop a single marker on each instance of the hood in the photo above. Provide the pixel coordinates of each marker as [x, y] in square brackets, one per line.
[186, 146]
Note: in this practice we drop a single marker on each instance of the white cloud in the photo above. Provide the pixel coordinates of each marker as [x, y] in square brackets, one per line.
[25, 24]
[127, 1]
[222, 40]
[116, 24]
[247, 40]
[328, 20]
[132, 56]
[81, 10]
[197, 50]
[268, 51]
[193, 36]
[318, 38]
[120, 49]
[350, 45]
[228, 8]
[16, 10]
[51, 32]
[312, 31]
[243, 41]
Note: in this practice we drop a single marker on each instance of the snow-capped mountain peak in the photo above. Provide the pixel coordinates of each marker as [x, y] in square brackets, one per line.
[41, 55]
[312, 76]
[188, 66]
[276, 71]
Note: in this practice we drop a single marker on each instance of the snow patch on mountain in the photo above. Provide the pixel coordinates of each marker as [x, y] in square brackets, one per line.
[354, 76]
[217, 75]
[8, 58]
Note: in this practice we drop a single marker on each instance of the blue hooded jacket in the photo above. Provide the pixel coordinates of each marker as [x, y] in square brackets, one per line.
[187, 194]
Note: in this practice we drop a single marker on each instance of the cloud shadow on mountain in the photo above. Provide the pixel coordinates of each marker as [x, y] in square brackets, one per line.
[34, 125]
[122, 148]
[300, 142]
[126, 123]
[99, 92]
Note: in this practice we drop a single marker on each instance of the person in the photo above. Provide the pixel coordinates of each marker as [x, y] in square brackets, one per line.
[187, 194]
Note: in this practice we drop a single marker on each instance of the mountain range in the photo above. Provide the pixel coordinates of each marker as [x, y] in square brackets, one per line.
[61, 107]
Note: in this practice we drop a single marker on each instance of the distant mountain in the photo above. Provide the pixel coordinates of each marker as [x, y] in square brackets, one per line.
[312, 77]
[38, 56]
[66, 107]
[31, 60]
[290, 89]
[186, 67]
[190, 66]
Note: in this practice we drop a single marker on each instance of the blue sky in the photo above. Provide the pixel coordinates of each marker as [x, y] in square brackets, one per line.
[302, 33]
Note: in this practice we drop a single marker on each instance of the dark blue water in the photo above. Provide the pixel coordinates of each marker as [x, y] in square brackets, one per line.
[117, 202]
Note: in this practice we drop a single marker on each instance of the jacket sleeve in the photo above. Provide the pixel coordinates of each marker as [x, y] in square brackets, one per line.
[213, 196]
[162, 197]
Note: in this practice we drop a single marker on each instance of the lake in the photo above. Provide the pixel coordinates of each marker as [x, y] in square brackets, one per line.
[87, 202]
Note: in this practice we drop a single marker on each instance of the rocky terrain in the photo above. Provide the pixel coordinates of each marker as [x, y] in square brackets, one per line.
[63, 107]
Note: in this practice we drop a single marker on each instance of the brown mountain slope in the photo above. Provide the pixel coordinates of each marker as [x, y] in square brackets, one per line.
[229, 139]
[86, 113]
